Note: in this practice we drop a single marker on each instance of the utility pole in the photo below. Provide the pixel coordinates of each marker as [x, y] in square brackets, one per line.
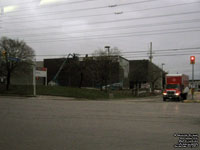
[162, 83]
[108, 47]
[34, 81]
[151, 53]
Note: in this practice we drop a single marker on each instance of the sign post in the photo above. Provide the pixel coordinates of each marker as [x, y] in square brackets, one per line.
[192, 61]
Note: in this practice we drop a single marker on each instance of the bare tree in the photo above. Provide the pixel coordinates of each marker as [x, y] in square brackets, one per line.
[104, 61]
[155, 74]
[112, 52]
[17, 54]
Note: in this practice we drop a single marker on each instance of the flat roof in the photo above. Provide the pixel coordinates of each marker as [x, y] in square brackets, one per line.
[169, 75]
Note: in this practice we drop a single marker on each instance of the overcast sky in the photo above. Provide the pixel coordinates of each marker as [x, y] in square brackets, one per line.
[60, 27]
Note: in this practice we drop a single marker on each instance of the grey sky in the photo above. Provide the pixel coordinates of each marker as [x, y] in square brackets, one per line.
[82, 26]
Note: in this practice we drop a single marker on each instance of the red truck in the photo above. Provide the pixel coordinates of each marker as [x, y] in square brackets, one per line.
[177, 87]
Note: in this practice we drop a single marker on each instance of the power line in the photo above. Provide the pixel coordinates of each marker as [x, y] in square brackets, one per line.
[163, 55]
[159, 54]
[86, 9]
[167, 50]
[55, 4]
[55, 33]
[92, 15]
[129, 57]
[113, 28]
[138, 18]
[144, 31]
[141, 51]
[182, 4]
[108, 36]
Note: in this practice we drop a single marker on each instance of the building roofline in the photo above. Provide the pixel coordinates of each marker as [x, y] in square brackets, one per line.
[123, 58]
[170, 75]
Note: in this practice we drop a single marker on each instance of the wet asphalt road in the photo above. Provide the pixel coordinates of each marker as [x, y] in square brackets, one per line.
[144, 124]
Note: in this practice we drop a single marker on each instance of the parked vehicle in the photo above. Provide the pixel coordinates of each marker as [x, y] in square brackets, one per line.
[177, 87]
[114, 86]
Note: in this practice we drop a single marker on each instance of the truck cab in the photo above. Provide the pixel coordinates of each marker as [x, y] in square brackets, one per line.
[176, 87]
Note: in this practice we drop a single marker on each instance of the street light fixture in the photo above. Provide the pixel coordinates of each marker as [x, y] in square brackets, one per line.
[108, 47]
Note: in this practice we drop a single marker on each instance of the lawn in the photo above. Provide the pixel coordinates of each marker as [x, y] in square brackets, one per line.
[81, 93]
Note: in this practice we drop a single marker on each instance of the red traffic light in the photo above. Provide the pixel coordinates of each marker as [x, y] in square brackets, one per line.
[192, 59]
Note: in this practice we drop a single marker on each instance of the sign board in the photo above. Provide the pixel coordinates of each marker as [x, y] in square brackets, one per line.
[41, 68]
[13, 59]
[39, 73]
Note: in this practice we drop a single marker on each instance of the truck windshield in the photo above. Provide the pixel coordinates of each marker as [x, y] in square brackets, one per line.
[172, 86]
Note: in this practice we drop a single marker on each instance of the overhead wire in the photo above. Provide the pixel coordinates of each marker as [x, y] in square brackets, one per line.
[181, 31]
[86, 9]
[166, 50]
[169, 50]
[96, 15]
[93, 15]
[136, 18]
[138, 32]
[107, 36]
[47, 5]
[113, 27]
[163, 55]
[128, 57]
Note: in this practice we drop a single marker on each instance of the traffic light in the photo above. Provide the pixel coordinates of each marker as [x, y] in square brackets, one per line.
[192, 59]
[3, 53]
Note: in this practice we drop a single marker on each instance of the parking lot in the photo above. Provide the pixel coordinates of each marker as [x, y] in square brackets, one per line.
[57, 123]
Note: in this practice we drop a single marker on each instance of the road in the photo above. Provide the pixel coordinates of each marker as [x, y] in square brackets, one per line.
[63, 124]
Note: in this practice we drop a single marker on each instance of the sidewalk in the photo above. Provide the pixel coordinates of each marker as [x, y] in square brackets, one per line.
[38, 97]
[45, 97]
[196, 98]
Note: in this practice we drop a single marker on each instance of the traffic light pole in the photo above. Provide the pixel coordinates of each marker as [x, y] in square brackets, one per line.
[192, 81]
[192, 61]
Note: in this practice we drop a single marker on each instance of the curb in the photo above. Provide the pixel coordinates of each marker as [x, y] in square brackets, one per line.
[191, 101]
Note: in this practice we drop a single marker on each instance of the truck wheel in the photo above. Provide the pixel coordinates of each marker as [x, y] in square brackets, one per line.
[180, 98]
[183, 96]
[186, 96]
